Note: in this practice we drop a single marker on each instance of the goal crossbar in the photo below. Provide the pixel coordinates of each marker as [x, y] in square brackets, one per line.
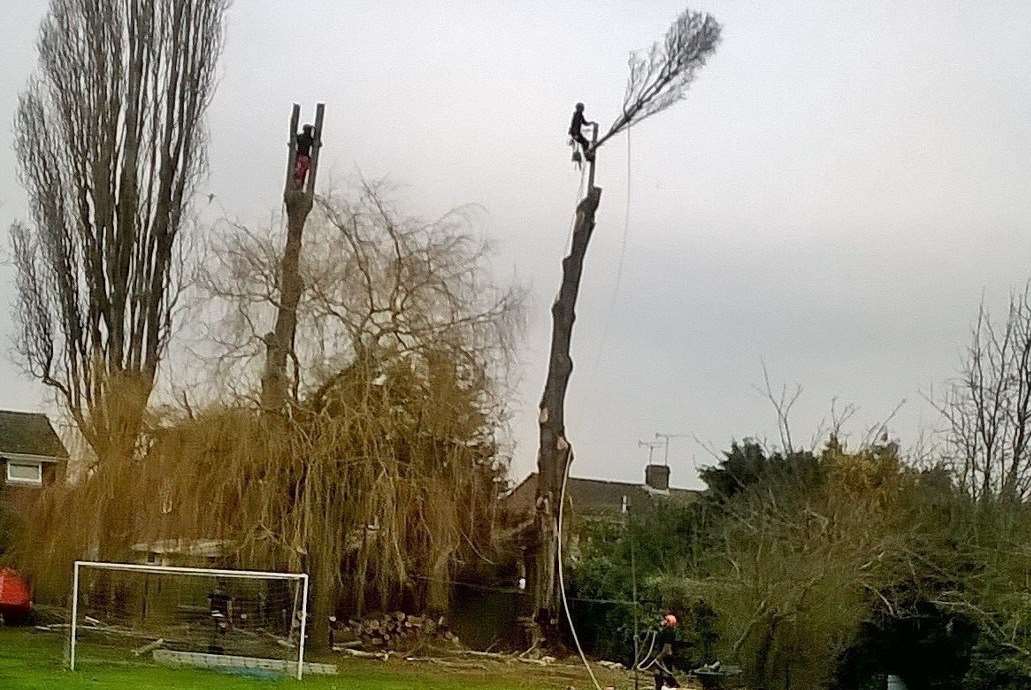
[215, 572]
[183, 570]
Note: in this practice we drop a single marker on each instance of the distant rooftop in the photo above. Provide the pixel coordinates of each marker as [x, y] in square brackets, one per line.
[601, 495]
[29, 433]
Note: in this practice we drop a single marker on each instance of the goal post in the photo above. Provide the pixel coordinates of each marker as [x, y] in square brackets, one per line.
[211, 617]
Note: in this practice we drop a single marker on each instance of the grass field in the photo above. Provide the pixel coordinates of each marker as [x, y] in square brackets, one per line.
[34, 660]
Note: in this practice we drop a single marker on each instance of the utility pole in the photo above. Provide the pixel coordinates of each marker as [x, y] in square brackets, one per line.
[666, 439]
[628, 525]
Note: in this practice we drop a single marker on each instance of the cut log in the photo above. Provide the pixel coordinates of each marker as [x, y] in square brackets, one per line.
[382, 656]
[149, 647]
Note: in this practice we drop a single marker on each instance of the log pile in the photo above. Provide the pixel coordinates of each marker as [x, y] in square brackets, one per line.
[391, 631]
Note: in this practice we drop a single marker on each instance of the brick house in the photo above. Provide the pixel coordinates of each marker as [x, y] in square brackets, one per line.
[589, 502]
[31, 455]
[602, 499]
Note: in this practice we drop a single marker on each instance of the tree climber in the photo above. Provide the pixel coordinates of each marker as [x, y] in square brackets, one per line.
[575, 127]
[304, 141]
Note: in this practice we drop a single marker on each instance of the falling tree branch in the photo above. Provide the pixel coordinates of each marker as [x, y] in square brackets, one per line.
[661, 76]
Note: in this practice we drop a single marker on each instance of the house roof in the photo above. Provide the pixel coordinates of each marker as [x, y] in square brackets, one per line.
[29, 434]
[596, 495]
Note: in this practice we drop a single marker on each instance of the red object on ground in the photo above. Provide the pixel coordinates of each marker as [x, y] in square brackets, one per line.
[15, 594]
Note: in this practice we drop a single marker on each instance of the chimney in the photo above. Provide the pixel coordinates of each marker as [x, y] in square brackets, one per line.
[657, 477]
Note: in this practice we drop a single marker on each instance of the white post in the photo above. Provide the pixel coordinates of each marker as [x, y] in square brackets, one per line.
[207, 572]
[304, 627]
[75, 614]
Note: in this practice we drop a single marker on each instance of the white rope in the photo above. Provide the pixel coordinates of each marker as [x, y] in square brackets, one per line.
[640, 665]
[651, 648]
[619, 266]
[561, 578]
[626, 220]
[576, 206]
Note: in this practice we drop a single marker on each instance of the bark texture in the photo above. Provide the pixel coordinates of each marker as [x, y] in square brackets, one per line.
[555, 452]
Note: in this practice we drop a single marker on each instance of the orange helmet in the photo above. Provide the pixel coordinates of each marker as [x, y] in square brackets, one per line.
[669, 620]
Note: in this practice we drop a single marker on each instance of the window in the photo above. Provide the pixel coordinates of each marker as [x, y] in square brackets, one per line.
[25, 473]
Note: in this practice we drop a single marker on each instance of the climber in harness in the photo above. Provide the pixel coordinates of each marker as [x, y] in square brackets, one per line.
[302, 164]
[576, 134]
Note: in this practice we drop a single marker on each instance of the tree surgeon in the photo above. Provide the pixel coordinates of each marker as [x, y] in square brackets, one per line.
[305, 140]
[575, 131]
[664, 641]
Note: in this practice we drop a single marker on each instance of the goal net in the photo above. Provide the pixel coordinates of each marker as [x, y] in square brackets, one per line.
[200, 617]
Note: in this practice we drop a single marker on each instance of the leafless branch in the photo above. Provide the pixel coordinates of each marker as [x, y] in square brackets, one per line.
[660, 76]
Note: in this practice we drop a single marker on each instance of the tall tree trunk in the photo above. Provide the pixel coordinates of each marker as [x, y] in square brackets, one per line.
[280, 342]
[555, 452]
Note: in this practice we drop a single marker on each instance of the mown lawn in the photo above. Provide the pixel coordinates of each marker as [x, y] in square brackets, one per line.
[34, 660]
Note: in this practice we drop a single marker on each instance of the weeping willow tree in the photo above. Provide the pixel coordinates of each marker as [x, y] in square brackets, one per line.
[384, 479]
[659, 77]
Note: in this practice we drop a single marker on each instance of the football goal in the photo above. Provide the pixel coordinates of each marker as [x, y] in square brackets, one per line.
[250, 621]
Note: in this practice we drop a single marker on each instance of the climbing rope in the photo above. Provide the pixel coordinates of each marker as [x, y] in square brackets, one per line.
[626, 221]
[619, 266]
[576, 205]
[639, 663]
[565, 476]
[561, 577]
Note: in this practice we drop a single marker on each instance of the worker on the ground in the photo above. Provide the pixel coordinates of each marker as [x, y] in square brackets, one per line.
[664, 642]
[579, 122]
[304, 142]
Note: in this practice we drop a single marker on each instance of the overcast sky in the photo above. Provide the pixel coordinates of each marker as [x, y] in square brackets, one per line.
[842, 184]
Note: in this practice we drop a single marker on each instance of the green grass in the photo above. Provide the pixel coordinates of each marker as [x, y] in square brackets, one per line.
[35, 660]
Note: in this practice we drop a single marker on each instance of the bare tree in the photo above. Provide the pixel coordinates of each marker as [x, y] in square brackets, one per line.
[987, 410]
[110, 142]
[373, 278]
[657, 80]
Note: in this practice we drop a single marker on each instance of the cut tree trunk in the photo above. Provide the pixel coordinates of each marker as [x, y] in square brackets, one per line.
[280, 343]
[555, 452]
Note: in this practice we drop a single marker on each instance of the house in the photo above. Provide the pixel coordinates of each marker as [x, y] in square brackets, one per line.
[599, 498]
[597, 502]
[31, 454]
[197, 553]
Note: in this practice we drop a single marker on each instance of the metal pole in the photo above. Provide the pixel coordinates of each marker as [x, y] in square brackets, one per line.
[75, 614]
[633, 580]
[304, 628]
[667, 438]
[651, 446]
